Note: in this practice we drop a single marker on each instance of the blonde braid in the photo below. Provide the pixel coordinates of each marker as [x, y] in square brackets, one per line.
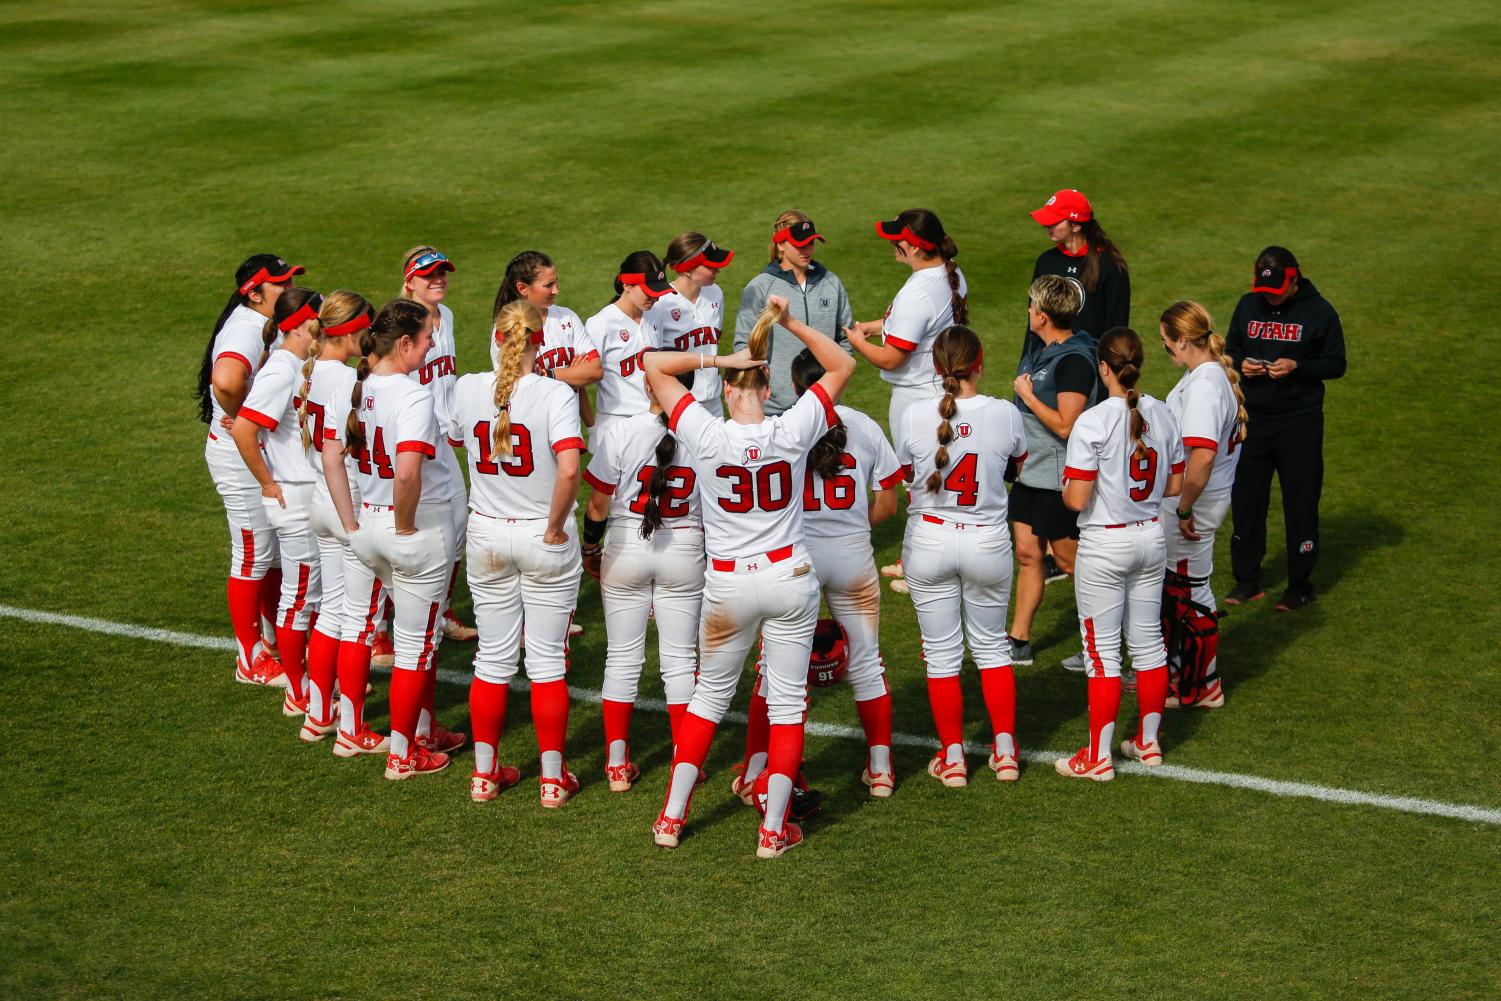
[515, 323]
[1217, 351]
[307, 385]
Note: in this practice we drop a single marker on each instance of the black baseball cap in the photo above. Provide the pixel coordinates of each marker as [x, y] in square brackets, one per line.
[799, 234]
[1272, 281]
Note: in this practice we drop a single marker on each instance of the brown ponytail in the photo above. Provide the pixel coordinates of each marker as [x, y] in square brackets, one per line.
[667, 449]
[514, 326]
[1186, 319]
[826, 457]
[397, 319]
[759, 345]
[956, 352]
[1120, 349]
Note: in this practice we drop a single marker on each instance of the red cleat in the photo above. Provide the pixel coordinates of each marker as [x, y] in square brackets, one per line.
[622, 777]
[484, 786]
[419, 762]
[556, 792]
[382, 651]
[771, 845]
[667, 832]
[1080, 766]
[367, 741]
[266, 670]
[442, 740]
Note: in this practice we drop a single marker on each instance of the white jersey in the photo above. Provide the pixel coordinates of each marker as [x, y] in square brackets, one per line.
[544, 422]
[1127, 489]
[328, 406]
[439, 372]
[750, 476]
[564, 341]
[837, 506]
[987, 435]
[622, 344]
[1203, 404]
[272, 403]
[240, 339]
[923, 309]
[694, 326]
[396, 414]
[623, 458]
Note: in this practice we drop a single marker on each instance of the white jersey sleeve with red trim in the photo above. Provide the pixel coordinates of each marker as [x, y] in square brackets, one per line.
[544, 422]
[838, 505]
[396, 415]
[328, 406]
[240, 340]
[272, 403]
[1127, 488]
[621, 463]
[1204, 405]
[750, 476]
[923, 309]
[988, 435]
[622, 343]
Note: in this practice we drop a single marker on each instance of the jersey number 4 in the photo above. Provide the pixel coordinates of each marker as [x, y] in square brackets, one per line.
[964, 481]
[519, 464]
[769, 488]
[1143, 474]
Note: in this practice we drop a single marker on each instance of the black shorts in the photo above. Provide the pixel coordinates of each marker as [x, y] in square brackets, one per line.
[1043, 512]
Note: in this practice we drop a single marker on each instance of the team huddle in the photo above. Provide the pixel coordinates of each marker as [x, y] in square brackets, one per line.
[731, 495]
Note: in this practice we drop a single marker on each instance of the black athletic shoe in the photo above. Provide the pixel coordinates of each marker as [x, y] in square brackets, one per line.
[1244, 593]
[1295, 598]
[1050, 571]
[804, 804]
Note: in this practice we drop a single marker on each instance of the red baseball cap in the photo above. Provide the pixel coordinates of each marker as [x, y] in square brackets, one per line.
[1066, 204]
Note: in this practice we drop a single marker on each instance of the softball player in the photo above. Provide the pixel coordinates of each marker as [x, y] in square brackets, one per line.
[404, 527]
[750, 470]
[691, 316]
[425, 279]
[652, 565]
[932, 300]
[958, 451]
[1211, 413]
[566, 353]
[1124, 457]
[230, 361]
[268, 433]
[623, 332]
[523, 439]
[849, 463]
[323, 411]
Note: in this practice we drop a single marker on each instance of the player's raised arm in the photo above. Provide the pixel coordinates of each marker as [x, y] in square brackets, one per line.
[837, 366]
[664, 367]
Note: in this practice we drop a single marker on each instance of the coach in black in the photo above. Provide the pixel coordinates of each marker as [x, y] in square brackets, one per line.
[1286, 340]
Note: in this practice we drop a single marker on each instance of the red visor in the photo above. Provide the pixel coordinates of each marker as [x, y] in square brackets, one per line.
[265, 275]
[360, 322]
[709, 256]
[897, 230]
[799, 234]
[427, 264]
[1273, 281]
[656, 285]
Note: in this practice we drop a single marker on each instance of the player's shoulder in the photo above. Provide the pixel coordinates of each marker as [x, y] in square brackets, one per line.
[856, 421]
[602, 317]
[563, 316]
[473, 383]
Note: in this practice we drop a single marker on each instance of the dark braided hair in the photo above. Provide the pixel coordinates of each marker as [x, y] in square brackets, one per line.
[667, 450]
[956, 352]
[826, 458]
[926, 225]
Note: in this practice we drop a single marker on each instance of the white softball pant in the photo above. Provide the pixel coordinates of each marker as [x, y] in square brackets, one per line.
[1118, 580]
[300, 569]
[1195, 559]
[252, 541]
[664, 577]
[333, 554]
[903, 397]
[521, 586]
[414, 568]
[777, 602]
[846, 569]
[953, 568]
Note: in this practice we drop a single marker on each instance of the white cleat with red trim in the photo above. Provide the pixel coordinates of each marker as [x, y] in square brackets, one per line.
[1005, 767]
[954, 774]
[667, 832]
[1148, 754]
[556, 792]
[266, 670]
[1080, 766]
[881, 784]
[769, 845]
[419, 762]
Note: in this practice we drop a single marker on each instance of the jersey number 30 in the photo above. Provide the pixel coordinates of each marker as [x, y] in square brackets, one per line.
[769, 490]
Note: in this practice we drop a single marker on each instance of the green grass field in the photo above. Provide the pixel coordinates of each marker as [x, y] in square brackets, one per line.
[162, 832]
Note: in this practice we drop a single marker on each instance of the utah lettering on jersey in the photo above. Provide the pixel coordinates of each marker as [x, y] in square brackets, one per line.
[1274, 331]
[630, 363]
[696, 338]
[447, 365]
[553, 358]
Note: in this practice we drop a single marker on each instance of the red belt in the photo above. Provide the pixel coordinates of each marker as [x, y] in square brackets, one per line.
[1131, 524]
[931, 520]
[775, 556]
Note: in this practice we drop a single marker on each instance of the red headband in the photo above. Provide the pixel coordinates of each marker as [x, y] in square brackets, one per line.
[536, 336]
[297, 319]
[360, 322]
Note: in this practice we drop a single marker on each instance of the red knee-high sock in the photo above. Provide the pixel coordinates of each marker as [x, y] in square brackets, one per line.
[292, 644]
[406, 702]
[675, 713]
[695, 735]
[757, 726]
[875, 720]
[617, 722]
[550, 714]
[244, 598]
[947, 701]
[353, 668]
[270, 594]
[1151, 697]
[999, 686]
[322, 668]
[784, 757]
[487, 714]
[1104, 706]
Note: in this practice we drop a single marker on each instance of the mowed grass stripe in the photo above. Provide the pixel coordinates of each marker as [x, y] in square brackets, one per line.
[1273, 787]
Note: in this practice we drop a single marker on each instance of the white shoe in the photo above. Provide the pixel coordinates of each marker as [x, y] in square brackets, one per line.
[1148, 754]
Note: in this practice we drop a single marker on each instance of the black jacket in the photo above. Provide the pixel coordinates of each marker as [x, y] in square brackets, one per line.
[1306, 329]
[1109, 305]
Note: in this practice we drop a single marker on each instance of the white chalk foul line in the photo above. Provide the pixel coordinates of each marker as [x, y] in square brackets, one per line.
[1273, 787]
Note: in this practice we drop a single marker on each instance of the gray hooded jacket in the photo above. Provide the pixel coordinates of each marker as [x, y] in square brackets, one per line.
[822, 305]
